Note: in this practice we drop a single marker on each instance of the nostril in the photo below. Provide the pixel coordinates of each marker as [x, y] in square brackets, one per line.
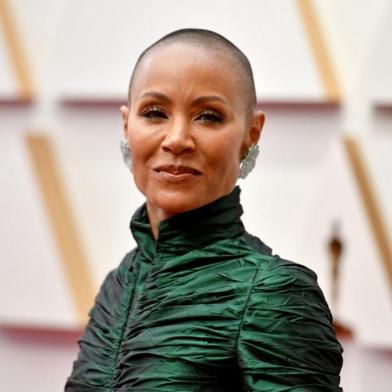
[177, 149]
[178, 145]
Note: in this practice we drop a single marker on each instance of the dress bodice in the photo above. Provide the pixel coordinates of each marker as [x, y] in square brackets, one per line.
[207, 307]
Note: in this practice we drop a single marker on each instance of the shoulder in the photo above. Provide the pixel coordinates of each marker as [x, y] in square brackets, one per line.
[292, 286]
[112, 288]
[287, 321]
[278, 273]
[127, 264]
[122, 270]
[285, 283]
[275, 271]
[101, 337]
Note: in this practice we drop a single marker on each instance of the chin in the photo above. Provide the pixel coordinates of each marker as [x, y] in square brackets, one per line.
[176, 201]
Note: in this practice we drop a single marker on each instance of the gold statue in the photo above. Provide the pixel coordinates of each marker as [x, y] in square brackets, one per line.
[336, 250]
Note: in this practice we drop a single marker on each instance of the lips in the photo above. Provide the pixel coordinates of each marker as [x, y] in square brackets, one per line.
[177, 170]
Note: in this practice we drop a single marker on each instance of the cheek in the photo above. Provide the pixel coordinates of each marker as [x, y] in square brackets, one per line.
[134, 135]
[140, 144]
[140, 148]
[225, 158]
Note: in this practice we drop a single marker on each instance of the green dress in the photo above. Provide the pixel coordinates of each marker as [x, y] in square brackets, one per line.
[207, 307]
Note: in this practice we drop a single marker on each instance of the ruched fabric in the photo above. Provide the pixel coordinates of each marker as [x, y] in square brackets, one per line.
[207, 307]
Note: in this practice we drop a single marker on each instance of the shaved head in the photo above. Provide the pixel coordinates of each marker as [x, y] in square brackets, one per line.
[211, 41]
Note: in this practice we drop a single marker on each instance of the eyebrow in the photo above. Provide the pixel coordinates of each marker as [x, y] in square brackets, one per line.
[197, 101]
[154, 94]
[208, 98]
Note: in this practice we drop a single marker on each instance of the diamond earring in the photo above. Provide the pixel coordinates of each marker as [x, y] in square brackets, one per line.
[126, 153]
[249, 162]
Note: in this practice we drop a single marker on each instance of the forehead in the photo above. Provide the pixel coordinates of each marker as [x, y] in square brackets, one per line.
[181, 65]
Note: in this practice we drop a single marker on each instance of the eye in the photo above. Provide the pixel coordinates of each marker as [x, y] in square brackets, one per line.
[153, 113]
[209, 116]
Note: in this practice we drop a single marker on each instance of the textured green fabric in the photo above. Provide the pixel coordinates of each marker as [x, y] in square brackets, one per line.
[207, 307]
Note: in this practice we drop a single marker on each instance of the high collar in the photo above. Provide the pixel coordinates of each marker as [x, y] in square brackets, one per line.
[192, 229]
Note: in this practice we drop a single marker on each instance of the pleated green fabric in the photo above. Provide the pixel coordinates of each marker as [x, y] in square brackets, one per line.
[207, 307]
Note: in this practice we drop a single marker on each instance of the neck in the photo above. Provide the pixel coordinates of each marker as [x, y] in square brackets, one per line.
[155, 216]
[188, 230]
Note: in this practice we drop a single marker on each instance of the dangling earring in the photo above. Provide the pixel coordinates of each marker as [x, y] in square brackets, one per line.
[249, 162]
[126, 153]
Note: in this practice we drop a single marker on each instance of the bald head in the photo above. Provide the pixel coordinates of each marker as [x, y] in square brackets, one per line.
[215, 42]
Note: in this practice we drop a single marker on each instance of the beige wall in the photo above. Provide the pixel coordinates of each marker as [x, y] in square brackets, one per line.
[79, 56]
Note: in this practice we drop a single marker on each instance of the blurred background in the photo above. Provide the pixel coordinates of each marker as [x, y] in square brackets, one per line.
[320, 194]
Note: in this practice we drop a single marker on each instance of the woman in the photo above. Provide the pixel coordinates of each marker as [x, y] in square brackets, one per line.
[200, 304]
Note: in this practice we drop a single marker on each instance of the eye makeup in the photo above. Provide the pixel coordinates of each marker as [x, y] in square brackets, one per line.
[209, 116]
[152, 112]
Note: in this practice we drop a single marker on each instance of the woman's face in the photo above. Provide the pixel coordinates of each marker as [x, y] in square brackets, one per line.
[187, 128]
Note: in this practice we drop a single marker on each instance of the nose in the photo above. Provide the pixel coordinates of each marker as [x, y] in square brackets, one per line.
[178, 139]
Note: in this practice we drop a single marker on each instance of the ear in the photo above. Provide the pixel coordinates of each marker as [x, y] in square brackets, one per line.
[256, 124]
[124, 114]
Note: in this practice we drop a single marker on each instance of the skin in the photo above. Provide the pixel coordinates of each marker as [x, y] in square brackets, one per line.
[188, 129]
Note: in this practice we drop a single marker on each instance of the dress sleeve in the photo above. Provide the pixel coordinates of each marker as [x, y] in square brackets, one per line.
[94, 366]
[286, 340]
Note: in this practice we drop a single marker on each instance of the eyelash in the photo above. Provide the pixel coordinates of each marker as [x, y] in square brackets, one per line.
[157, 113]
[209, 116]
[153, 112]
